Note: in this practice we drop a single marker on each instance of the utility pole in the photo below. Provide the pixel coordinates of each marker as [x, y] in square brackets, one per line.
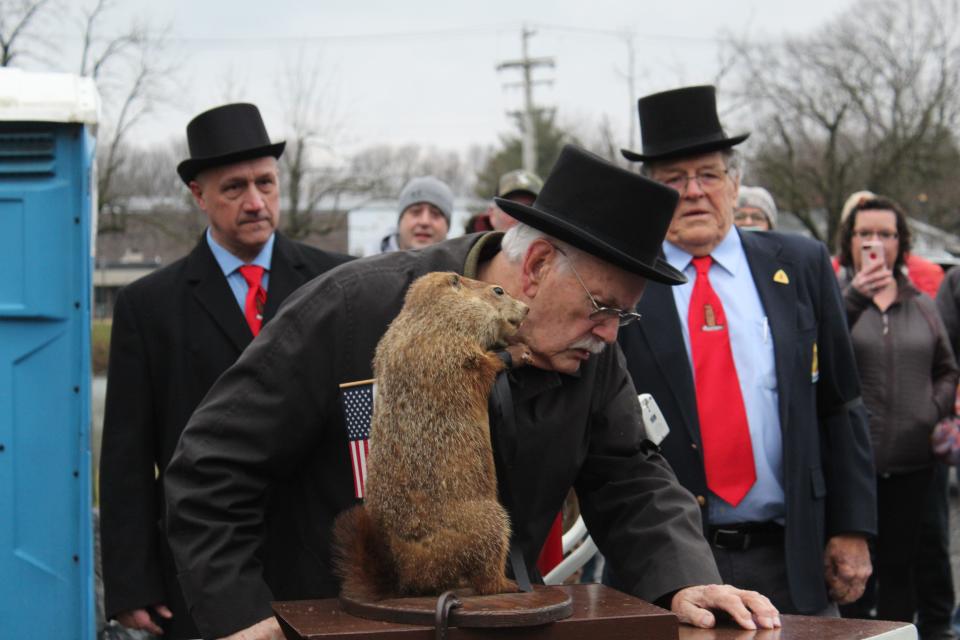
[527, 117]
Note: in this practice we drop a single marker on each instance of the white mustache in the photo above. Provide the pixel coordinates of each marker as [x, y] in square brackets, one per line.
[589, 343]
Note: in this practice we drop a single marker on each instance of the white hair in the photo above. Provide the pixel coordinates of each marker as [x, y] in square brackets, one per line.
[518, 238]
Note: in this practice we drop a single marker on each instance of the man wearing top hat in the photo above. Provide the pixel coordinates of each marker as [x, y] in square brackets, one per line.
[174, 332]
[578, 262]
[751, 364]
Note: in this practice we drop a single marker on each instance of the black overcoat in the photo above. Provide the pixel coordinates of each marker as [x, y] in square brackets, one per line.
[274, 418]
[174, 332]
[827, 461]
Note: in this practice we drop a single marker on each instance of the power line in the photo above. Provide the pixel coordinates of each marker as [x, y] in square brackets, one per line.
[492, 29]
[619, 33]
[340, 37]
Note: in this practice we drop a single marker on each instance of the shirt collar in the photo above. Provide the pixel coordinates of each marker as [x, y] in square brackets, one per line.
[727, 255]
[230, 263]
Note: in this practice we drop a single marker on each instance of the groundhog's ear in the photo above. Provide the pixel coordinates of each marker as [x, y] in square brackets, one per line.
[455, 281]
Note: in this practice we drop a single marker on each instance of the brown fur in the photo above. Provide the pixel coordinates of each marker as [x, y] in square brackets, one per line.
[431, 520]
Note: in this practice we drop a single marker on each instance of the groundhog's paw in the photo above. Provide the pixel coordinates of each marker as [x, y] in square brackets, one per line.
[520, 354]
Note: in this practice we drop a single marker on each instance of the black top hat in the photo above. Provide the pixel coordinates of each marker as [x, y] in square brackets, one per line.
[226, 134]
[607, 211]
[680, 122]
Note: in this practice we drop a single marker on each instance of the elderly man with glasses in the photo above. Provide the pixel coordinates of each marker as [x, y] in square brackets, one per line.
[752, 367]
[271, 444]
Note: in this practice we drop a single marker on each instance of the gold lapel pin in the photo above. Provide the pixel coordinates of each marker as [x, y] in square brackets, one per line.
[781, 277]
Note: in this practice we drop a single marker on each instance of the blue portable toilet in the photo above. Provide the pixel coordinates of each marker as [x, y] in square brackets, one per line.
[47, 204]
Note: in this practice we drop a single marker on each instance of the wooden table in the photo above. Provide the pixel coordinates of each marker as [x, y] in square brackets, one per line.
[599, 613]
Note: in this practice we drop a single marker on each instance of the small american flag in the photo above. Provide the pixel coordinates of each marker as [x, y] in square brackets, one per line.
[357, 399]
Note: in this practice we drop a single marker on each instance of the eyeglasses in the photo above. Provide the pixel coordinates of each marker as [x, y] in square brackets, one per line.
[863, 234]
[708, 179]
[600, 313]
[743, 216]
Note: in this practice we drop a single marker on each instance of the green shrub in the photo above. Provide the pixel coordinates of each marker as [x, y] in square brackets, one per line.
[101, 346]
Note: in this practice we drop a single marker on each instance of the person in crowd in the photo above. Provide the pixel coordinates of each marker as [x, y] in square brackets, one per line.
[478, 222]
[909, 379]
[426, 205]
[518, 186]
[934, 577]
[752, 367]
[755, 210]
[580, 260]
[174, 332]
[924, 274]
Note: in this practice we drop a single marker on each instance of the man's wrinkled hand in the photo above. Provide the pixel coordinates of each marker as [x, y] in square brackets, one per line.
[266, 629]
[140, 619]
[749, 609]
[847, 567]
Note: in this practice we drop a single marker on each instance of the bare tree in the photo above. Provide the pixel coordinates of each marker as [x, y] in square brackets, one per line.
[19, 23]
[319, 183]
[312, 173]
[870, 101]
[130, 67]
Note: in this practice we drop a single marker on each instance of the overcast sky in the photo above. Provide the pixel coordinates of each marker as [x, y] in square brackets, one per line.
[424, 71]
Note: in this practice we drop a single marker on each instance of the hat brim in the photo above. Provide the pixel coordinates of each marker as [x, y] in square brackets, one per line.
[686, 150]
[188, 169]
[659, 271]
[516, 191]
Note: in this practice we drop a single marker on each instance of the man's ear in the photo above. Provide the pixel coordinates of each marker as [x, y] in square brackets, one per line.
[537, 262]
[197, 193]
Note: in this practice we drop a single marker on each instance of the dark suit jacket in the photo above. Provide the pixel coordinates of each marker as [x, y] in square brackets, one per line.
[827, 462]
[174, 332]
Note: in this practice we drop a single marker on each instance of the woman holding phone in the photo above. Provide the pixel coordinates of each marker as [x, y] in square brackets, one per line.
[908, 377]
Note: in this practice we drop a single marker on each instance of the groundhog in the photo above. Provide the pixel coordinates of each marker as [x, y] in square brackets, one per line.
[431, 520]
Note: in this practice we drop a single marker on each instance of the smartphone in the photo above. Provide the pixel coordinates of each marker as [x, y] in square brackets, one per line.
[871, 255]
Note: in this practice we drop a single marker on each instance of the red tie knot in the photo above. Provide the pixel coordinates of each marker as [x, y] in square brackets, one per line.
[702, 264]
[253, 274]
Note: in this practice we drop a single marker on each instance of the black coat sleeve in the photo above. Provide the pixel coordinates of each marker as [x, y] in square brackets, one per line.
[644, 522]
[251, 429]
[845, 437]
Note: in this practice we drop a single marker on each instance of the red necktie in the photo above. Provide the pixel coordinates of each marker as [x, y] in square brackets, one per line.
[256, 296]
[727, 452]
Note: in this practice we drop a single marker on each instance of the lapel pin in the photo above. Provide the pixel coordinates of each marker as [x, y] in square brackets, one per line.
[781, 277]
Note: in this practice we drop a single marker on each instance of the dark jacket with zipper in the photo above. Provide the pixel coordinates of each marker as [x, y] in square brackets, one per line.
[907, 372]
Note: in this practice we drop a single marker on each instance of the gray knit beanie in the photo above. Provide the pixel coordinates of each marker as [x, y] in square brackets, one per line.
[430, 190]
[758, 198]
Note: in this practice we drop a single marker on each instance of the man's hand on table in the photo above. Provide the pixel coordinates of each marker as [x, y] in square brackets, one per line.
[748, 609]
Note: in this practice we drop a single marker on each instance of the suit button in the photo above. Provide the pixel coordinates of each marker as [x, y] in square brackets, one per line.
[693, 445]
[701, 501]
